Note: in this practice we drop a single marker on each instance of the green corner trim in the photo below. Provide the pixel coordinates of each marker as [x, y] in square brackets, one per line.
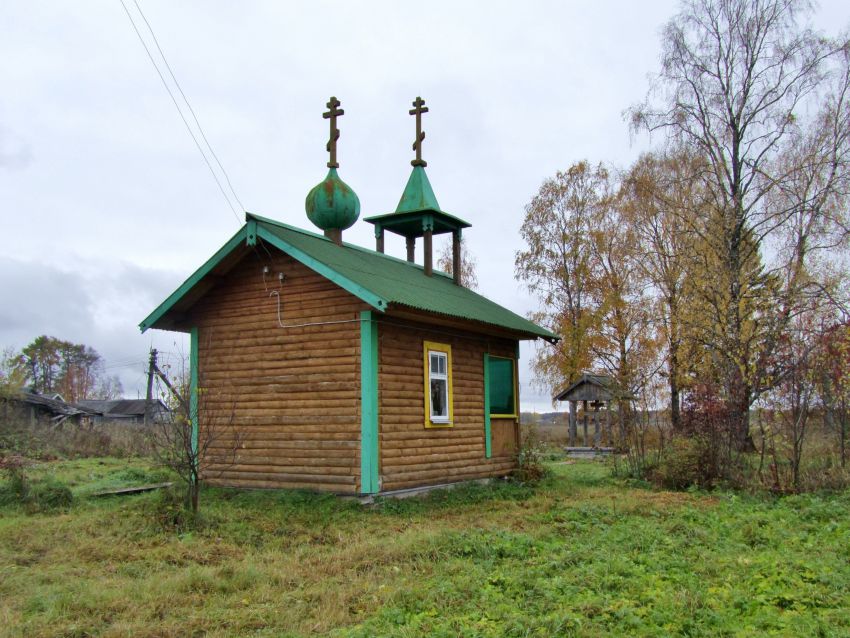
[251, 239]
[193, 386]
[369, 480]
[488, 448]
[323, 269]
[199, 274]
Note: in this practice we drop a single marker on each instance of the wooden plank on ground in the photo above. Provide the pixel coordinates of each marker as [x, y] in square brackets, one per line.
[122, 491]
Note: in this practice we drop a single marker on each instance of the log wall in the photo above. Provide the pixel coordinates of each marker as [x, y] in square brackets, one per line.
[413, 455]
[290, 396]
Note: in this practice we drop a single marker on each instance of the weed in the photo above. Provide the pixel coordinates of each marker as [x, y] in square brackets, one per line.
[530, 458]
[48, 496]
[170, 513]
[580, 553]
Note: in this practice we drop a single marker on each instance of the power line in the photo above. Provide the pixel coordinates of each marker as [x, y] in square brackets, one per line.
[131, 364]
[180, 112]
[191, 110]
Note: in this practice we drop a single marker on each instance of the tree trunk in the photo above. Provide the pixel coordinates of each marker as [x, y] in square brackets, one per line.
[673, 364]
[195, 495]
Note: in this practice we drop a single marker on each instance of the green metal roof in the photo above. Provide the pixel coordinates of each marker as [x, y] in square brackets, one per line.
[418, 194]
[378, 279]
[417, 202]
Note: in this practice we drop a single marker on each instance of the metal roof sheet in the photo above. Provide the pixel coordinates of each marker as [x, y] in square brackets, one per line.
[378, 279]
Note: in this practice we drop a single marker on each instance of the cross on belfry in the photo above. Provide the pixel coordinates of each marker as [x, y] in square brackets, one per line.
[418, 109]
[332, 113]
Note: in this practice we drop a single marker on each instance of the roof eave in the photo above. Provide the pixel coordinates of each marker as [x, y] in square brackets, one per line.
[474, 325]
[248, 235]
[166, 306]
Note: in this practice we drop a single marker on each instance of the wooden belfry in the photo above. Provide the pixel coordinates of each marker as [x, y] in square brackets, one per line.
[594, 391]
[418, 214]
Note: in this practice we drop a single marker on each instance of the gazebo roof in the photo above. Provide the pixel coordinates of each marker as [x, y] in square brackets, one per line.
[594, 387]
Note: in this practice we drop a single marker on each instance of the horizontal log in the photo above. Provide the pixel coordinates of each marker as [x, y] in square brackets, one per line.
[297, 404]
[259, 342]
[209, 330]
[412, 479]
[310, 434]
[340, 489]
[301, 442]
[224, 339]
[292, 301]
[342, 363]
[482, 467]
[423, 461]
[280, 477]
[458, 429]
[248, 418]
[307, 350]
[436, 466]
[307, 470]
[346, 424]
[323, 460]
[401, 440]
[316, 377]
[408, 452]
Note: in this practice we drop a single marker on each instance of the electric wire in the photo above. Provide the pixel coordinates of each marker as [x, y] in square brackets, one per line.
[197, 122]
[194, 117]
[180, 112]
[188, 104]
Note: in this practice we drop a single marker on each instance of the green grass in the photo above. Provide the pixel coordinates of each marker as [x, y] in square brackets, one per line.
[582, 554]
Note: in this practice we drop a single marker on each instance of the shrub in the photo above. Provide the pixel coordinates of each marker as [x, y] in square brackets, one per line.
[170, 513]
[530, 458]
[46, 442]
[702, 453]
[681, 466]
[48, 496]
[15, 490]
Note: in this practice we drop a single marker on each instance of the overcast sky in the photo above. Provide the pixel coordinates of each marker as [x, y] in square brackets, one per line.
[107, 206]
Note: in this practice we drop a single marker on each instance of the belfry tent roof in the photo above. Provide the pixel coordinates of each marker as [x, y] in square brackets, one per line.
[382, 281]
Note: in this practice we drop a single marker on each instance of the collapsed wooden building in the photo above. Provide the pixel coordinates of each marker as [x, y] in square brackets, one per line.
[343, 368]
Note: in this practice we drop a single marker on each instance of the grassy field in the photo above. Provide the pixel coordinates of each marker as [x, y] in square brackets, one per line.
[582, 554]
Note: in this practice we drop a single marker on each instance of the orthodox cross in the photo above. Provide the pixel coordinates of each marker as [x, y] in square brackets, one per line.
[332, 114]
[418, 109]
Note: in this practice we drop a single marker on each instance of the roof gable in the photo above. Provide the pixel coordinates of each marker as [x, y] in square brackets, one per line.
[378, 279]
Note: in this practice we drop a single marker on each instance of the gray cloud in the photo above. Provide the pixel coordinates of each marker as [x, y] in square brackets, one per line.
[106, 206]
[14, 153]
[99, 303]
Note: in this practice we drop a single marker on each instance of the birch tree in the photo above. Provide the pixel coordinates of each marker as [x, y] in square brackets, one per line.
[556, 266]
[736, 78]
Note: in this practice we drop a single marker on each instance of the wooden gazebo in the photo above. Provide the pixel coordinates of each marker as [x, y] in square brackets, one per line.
[594, 391]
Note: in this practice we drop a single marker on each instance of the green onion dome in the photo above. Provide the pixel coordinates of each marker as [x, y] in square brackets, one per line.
[332, 204]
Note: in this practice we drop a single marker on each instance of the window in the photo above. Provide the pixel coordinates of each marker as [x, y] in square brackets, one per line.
[438, 385]
[502, 383]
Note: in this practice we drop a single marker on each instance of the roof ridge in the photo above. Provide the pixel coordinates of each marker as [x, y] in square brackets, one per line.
[345, 244]
[375, 253]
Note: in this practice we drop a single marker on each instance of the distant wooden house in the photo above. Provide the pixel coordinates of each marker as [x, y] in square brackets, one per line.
[126, 410]
[345, 369]
[38, 408]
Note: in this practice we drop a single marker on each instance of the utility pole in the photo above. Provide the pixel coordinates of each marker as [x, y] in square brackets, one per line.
[149, 396]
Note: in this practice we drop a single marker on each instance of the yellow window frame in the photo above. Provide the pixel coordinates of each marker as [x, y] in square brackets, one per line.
[443, 348]
[516, 390]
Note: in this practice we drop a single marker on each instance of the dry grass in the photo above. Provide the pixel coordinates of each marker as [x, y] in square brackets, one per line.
[582, 554]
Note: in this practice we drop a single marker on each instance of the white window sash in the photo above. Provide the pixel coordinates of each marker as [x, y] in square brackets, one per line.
[438, 376]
